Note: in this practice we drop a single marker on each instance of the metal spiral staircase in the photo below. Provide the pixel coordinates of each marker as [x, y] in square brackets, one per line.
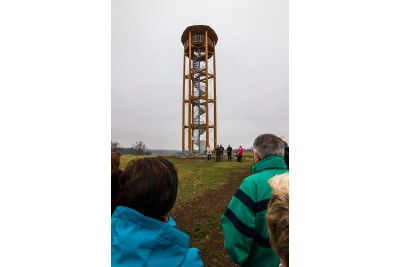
[198, 99]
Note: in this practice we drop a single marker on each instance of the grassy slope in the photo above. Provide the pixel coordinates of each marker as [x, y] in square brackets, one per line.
[199, 175]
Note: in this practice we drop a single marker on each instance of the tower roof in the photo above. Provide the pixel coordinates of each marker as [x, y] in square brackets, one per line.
[197, 30]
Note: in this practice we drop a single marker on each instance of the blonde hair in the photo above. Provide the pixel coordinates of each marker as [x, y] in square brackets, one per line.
[278, 217]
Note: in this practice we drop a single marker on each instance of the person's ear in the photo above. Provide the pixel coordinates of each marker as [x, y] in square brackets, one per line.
[256, 157]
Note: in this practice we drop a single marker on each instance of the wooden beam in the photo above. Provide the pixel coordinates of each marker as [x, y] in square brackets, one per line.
[215, 100]
[190, 94]
[207, 119]
[183, 101]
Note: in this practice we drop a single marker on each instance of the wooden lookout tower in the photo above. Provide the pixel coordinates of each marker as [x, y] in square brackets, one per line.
[199, 98]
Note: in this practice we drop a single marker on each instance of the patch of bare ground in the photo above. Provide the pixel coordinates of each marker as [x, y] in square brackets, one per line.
[200, 218]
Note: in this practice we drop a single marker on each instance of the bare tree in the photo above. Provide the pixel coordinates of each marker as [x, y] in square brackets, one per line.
[140, 148]
[114, 146]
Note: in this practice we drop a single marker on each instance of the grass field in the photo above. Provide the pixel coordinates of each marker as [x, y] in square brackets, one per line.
[199, 175]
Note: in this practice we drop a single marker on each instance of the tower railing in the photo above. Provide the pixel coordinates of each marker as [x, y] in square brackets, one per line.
[199, 39]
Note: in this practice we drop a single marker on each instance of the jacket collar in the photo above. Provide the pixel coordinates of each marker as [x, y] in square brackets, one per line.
[273, 162]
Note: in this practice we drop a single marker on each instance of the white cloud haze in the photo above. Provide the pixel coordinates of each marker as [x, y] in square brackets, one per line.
[252, 67]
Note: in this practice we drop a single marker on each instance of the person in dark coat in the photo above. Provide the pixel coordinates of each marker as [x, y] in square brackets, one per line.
[115, 173]
[229, 152]
[218, 154]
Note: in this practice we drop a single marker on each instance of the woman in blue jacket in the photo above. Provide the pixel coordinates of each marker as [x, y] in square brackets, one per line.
[142, 233]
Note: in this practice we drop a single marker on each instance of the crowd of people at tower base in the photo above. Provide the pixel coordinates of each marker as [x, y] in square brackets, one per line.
[219, 153]
[255, 224]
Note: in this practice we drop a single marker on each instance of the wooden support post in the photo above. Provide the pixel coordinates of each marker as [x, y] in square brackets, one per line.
[207, 120]
[183, 101]
[215, 100]
[190, 95]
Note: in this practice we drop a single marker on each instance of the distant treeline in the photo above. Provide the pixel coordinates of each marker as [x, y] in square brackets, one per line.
[132, 151]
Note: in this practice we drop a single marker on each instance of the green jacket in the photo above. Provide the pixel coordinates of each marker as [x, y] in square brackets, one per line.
[243, 223]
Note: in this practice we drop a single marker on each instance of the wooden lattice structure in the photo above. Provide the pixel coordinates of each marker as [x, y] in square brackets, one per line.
[199, 97]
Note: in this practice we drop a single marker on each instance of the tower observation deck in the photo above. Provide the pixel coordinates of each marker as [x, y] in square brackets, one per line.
[199, 96]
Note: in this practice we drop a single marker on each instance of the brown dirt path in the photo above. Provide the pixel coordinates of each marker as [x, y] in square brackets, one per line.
[200, 218]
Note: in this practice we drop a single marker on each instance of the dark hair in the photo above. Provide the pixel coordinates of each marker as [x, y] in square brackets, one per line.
[115, 161]
[286, 157]
[149, 186]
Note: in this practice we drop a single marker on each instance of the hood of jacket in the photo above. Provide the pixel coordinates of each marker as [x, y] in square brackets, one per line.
[138, 240]
[273, 162]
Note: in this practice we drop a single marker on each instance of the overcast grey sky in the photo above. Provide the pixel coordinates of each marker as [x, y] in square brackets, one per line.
[252, 66]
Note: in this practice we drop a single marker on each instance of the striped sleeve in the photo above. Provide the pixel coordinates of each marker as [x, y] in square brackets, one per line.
[238, 224]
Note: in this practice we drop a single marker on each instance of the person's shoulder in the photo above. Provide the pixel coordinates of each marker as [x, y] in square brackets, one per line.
[262, 177]
[257, 182]
[255, 177]
[249, 180]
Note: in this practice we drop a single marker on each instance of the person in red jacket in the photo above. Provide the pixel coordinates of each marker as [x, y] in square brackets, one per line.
[240, 154]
